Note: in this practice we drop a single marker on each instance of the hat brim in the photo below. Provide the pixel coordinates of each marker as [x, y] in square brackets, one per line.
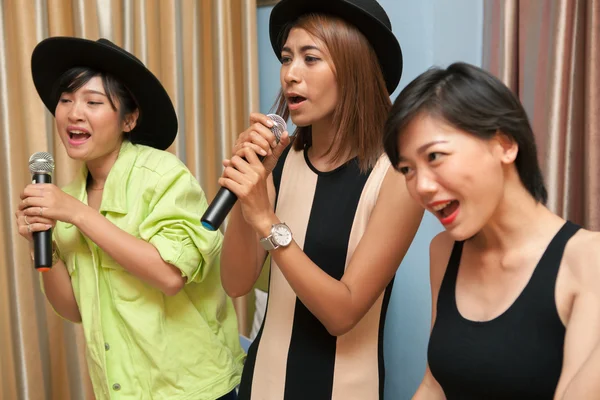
[157, 126]
[380, 37]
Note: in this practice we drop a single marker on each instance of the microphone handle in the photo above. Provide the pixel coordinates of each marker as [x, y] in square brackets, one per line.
[42, 240]
[219, 208]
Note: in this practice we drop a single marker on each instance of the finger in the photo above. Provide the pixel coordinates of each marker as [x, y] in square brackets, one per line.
[23, 204]
[251, 156]
[37, 189]
[29, 219]
[36, 228]
[240, 163]
[234, 175]
[266, 133]
[281, 146]
[34, 211]
[24, 230]
[262, 139]
[262, 118]
[263, 148]
[232, 185]
[241, 152]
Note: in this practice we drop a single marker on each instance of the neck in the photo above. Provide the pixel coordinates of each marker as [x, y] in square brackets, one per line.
[99, 168]
[518, 218]
[323, 136]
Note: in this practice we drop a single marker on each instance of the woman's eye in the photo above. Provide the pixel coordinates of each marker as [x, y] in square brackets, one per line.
[404, 170]
[434, 156]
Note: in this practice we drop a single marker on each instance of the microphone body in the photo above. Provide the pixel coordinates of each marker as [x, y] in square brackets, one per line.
[41, 166]
[224, 201]
[42, 240]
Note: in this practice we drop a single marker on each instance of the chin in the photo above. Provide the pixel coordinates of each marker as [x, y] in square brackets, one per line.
[300, 122]
[461, 232]
[76, 154]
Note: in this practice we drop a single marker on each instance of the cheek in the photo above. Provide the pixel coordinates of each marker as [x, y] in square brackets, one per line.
[60, 115]
[411, 185]
[485, 188]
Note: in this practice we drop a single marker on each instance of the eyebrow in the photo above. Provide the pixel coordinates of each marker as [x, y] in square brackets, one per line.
[303, 49]
[90, 91]
[423, 148]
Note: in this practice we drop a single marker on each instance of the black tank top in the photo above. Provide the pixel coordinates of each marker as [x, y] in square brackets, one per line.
[517, 355]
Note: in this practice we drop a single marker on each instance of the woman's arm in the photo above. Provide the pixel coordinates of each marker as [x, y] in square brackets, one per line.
[59, 292]
[171, 246]
[439, 254]
[135, 255]
[243, 256]
[581, 360]
[56, 282]
[340, 304]
[585, 385]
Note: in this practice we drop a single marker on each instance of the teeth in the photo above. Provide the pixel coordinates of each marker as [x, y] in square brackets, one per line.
[441, 206]
[78, 133]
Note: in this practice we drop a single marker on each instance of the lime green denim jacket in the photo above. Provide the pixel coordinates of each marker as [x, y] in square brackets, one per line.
[140, 343]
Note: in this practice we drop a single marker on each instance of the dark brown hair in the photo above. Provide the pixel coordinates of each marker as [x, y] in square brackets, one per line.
[363, 101]
[75, 78]
[473, 100]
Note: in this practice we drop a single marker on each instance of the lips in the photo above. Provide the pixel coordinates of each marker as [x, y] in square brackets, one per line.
[445, 210]
[295, 100]
[77, 135]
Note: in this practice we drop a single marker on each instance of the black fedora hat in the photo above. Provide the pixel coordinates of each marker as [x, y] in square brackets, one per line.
[157, 126]
[366, 15]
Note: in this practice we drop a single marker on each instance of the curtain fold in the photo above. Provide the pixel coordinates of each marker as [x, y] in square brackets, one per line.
[548, 52]
[204, 52]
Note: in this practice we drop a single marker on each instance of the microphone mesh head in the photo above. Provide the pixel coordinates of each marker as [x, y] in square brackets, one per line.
[41, 162]
[279, 127]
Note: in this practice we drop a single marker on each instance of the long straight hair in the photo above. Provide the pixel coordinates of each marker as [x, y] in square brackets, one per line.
[363, 101]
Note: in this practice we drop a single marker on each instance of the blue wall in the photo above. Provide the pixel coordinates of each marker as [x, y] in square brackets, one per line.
[431, 32]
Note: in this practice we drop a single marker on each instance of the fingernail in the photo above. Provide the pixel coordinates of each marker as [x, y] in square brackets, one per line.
[274, 144]
[269, 123]
[48, 226]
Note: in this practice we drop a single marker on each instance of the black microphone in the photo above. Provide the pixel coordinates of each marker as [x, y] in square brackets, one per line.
[224, 200]
[41, 166]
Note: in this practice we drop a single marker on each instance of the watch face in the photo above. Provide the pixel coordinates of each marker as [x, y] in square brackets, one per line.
[282, 235]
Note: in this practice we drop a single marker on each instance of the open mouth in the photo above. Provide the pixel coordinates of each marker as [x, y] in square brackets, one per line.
[78, 136]
[296, 99]
[446, 211]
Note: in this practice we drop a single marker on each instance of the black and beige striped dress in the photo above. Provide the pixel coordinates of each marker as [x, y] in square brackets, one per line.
[293, 356]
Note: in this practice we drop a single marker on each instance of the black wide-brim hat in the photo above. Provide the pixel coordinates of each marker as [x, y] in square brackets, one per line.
[157, 125]
[366, 15]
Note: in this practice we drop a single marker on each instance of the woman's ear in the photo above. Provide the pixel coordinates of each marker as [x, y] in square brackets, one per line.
[130, 121]
[507, 148]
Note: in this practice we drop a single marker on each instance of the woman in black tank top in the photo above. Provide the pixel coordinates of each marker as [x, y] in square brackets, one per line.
[515, 288]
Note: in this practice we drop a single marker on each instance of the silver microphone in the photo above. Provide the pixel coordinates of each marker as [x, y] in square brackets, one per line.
[41, 163]
[224, 200]
[41, 166]
[279, 126]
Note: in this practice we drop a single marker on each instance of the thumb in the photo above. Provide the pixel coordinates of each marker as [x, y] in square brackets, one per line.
[281, 146]
[271, 161]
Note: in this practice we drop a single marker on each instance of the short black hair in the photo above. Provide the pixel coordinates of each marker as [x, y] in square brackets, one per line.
[473, 100]
[75, 78]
